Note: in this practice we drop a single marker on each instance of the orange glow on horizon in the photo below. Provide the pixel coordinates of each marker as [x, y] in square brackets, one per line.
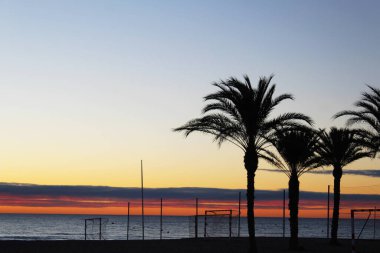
[318, 213]
[308, 209]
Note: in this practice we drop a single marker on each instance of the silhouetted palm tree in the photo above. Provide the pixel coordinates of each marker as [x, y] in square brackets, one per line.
[240, 114]
[297, 148]
[369, 115]
[338, 148]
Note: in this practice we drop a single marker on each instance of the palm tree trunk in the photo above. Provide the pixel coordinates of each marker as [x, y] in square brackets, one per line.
[337, 172]
[251, 163]
[293, 208]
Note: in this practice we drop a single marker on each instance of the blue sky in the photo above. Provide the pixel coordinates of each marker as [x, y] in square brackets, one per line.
[81, 80]
[321, 51]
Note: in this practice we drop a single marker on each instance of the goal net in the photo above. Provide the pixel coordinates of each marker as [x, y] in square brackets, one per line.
[214, 223]
[95, 228]
[364, 225]
[220, 223]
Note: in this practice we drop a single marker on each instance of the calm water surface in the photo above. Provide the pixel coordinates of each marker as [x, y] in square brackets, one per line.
[71, 227]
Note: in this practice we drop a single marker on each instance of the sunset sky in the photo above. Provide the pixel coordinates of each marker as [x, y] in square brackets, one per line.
[90, 88]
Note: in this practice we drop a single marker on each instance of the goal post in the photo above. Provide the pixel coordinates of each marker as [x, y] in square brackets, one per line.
[95, 228]
[370, 212]
[217, 222]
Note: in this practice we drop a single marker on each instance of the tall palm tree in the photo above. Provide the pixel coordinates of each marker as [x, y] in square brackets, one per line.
[240, 114]
[297, 148]
[368, 113]
[338, 148]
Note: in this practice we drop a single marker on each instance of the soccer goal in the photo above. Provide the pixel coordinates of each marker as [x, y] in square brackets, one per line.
[363, 225]
[219, 223]
[95, 228]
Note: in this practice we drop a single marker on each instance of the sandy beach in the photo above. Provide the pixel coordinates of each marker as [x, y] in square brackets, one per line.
[266, 245]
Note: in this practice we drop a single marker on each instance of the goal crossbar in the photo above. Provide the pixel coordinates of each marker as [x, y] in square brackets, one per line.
[219, 212]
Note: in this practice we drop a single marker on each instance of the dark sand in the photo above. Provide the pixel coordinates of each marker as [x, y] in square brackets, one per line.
[266, 245]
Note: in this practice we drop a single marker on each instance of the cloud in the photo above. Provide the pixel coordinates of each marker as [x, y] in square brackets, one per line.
[116, 192]
[368, 173]
[59, 193]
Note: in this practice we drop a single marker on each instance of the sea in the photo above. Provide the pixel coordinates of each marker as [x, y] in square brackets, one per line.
[72, 227]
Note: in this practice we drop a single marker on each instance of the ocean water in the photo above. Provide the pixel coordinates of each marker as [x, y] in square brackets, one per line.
[72, 227]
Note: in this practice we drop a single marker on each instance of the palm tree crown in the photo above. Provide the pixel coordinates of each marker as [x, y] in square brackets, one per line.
[240, 114]
[297, 148]
[340, 147]
[369, 115]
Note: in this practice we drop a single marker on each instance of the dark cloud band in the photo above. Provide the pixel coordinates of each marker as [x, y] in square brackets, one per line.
[184, 193]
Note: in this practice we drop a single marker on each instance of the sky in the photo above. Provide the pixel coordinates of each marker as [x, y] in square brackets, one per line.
[90, 88]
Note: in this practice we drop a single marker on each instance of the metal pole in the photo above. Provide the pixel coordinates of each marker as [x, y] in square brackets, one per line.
[128, 223]
[161, 220]
[328, 211]
[283, 214]
[374, 224]
[142, 201]
[100, 228]
[196, 217]
[230, 224]
[205, 230]
[365, 223]
[239, 214]
[352, 232]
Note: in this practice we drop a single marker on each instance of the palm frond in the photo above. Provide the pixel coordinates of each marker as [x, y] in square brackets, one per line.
[367, 115]
[240, 114]
[296, 145]
[341, 146]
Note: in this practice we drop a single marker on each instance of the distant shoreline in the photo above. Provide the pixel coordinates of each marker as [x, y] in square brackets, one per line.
[220, 245]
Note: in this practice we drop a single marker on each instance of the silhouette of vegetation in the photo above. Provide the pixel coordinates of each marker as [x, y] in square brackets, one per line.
[297, 147]
[338, 148]
[240, 114]
[368, 114]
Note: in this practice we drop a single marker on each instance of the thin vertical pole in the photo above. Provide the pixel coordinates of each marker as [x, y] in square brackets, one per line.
[352, 232]
[283, 214]
[100, 228]
[328, 211]
[142, 201]
[230, 224]
[205, 229]
[196, 217]
[85, 229]
[161, 220]
[128, 222]
[239, 214]
[374, 224]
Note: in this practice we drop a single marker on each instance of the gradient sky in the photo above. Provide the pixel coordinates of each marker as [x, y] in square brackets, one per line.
[88, 88]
